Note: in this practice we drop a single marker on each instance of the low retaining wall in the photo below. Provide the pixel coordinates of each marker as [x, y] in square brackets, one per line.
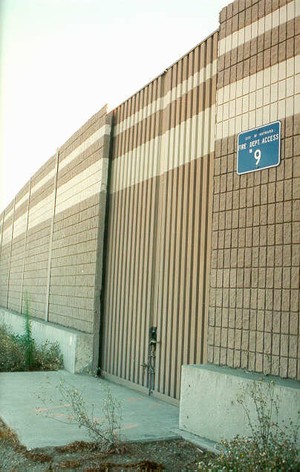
[76, 347]
[209, 407]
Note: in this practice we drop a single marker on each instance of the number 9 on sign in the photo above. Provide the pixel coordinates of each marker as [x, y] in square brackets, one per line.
[257, 156]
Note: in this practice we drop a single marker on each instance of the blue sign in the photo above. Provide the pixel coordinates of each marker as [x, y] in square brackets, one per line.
[258, 148]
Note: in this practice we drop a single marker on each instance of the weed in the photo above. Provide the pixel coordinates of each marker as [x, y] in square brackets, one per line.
[28, 340]
[105, 431]
[270, 447]
[21, 353]
[113, 416]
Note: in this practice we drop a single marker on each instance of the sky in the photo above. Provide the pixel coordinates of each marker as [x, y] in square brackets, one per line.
[63, 60]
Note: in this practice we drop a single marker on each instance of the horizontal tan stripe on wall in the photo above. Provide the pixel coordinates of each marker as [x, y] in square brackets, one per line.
[255, 118]
[239, 16]
[176, 147]
[256, 46]
[20, 225]
[17, 240]
[96, 122]
[41, 206]
[8, 212]
[41, 212]
[191, 64]
[21, 209]
[44, 211]
[84, 160]
[269, 76]
[8, 223]
[89, 182]
[42, 193]
[190, 104]
[178, 111]
[22, 195]
[6, 235]
[82, 212]
[259, 62]
[45, 181]
[96, 136]
[269, 95]
[42, 173]
[160, 103]
[127, 111]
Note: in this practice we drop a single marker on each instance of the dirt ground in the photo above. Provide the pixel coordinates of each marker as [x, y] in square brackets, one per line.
[172, 455]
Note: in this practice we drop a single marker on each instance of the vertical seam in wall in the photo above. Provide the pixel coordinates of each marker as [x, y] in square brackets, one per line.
[157, 235]
[105, 240]
[51, 238]
[25, 245]
[207, 245]
[10, 252]
[204, 284]
[155, 274]
[211, 219]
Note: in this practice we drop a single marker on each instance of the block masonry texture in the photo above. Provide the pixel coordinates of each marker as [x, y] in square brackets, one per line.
[255, 261]
[52, 235]
[208, 257]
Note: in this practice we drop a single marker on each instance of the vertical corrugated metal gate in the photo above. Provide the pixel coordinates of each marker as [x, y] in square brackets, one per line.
[159, 221]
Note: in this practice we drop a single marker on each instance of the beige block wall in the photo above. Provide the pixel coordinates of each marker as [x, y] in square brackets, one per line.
[52, 233]
[38, 236]
[17, 262]
[6, 245]
[77, 238]
[254, 295]
[173, 157]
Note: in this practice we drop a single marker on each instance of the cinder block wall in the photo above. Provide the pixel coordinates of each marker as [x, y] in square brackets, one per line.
[52, 234]
[175, 196]
[6, 246]
[17, 250]
[254, 297]
[76, 252]
[37, 237]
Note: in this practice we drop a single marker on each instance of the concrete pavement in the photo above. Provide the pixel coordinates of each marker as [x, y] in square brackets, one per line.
[32, 405]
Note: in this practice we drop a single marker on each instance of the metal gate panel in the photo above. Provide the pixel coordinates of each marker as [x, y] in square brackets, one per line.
[159, 221]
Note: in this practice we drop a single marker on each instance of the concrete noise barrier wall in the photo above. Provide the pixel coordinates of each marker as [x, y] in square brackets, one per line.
[52, 236]
[203, 256]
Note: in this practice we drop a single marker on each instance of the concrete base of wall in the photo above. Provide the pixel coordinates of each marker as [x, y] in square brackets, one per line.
[76, 347]
[209, 407]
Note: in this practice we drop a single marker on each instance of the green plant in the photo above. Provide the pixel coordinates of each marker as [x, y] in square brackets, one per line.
[270, 447]
[47, 356]
[21, 353]
[11, 352]
[28, 340]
